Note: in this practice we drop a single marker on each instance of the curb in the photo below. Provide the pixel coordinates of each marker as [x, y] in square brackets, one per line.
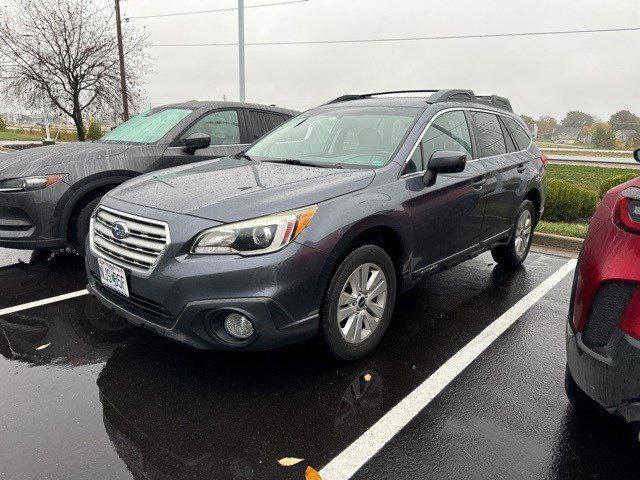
[5, 150]
[559, 242]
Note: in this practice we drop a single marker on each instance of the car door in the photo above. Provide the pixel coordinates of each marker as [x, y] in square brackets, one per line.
[498, 156]
[446, 216]
[224, 126]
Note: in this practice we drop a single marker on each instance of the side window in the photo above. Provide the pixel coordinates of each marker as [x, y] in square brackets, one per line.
[415, 162]
[263, 122]
[448, 131]
[222, 126]
[490, 139]
[521, 137]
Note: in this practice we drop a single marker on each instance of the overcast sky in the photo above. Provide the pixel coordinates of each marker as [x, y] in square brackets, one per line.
[598, 73]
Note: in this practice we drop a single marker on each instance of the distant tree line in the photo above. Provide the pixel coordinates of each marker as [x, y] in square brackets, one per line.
[622, 130]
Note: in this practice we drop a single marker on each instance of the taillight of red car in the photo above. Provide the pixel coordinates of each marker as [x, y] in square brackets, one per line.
[544, 159]
[627, 211]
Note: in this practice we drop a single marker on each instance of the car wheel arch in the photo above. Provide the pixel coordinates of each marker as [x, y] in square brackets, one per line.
[84, 191]
[374, 231]
[534, 196]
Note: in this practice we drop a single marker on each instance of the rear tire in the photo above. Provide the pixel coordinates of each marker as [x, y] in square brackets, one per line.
[355, 314]
[81, 226]
[583, 403]
[515, 252]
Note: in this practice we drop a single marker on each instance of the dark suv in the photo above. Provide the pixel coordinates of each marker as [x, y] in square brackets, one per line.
[47, 194]
[316, 227]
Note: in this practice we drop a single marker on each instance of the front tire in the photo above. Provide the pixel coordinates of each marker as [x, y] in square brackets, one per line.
[515, 252]
[358, 304]
[81, 226]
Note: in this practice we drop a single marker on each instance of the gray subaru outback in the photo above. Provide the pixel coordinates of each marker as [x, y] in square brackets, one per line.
[314, 229]
[47, 194]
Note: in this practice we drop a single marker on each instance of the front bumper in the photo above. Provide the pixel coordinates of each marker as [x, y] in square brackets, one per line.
[610, 375]
[28, 220]
[185, 296]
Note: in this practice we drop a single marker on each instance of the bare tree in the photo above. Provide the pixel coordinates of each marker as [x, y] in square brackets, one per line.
[66, 52]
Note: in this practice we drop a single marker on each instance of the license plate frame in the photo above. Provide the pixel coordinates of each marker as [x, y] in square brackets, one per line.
[113, 277]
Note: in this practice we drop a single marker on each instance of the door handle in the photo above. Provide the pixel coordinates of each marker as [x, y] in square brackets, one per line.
[522, 167]
[478, 182]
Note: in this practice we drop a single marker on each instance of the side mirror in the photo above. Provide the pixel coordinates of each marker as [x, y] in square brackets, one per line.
[444, 161]
[636, 155]
[196, 141]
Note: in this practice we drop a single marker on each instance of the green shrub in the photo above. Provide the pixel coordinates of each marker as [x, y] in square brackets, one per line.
[3, 124]
[94, 132]
[609, 183]
[567, 202]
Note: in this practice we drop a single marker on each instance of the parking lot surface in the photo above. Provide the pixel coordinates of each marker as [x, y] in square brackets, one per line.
[85, 396]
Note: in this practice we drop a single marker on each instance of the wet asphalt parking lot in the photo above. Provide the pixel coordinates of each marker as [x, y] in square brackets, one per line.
[83, 396]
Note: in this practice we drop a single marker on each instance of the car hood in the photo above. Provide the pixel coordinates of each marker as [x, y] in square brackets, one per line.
[230, 190]
[57, 158]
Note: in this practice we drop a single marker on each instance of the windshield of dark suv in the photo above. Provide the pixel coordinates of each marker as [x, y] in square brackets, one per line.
[148, 127]
[353, 136]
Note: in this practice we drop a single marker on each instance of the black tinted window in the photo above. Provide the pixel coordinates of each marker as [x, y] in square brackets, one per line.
[511, 147]
[263, 122]
[490, 139]
[521, 137]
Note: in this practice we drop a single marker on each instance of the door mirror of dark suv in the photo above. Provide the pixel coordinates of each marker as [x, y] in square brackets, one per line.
[636, 155]
[196, 141]
[444, 161]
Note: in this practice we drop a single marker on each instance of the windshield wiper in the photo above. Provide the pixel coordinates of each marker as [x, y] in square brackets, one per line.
[243, 155]
[295, 161]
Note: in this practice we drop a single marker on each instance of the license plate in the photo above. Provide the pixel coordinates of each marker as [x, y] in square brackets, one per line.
[113, 277]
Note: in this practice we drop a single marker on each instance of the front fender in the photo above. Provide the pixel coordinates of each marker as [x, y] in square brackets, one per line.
[340, 221]
[83, 187]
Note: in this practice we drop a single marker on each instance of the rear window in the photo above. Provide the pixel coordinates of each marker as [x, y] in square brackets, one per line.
[489, 132]
[521, 137]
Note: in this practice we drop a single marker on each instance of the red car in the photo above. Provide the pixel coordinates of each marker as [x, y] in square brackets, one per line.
[603, 328]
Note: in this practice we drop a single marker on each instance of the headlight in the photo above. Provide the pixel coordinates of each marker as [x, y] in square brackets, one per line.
[29, 183]
[253, 237]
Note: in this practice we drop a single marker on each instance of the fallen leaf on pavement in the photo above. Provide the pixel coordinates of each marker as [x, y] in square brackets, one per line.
[289, 461]
[42, 347]
[311, 474]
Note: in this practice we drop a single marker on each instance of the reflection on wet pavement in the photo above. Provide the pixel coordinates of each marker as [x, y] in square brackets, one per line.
[103, 400]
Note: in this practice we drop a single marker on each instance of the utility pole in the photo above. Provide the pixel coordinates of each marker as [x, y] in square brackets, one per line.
[240, 47]
[123, 78]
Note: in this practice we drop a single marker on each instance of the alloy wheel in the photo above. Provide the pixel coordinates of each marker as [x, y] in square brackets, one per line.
[524, 227]
[362, 303]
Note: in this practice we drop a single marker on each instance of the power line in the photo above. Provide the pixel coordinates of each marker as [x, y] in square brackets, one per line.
[198, 12]
[405, 39]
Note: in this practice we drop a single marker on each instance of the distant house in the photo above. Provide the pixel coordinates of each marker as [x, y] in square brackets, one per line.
[624, 135]
[570, 135]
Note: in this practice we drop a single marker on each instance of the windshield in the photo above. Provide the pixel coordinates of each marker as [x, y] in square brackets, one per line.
[347, 136]
[148, 127]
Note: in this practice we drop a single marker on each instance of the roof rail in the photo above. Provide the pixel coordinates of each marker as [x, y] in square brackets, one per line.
[437, 96]
[360, 96]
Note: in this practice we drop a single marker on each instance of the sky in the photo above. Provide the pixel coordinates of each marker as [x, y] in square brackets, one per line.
[542, 75]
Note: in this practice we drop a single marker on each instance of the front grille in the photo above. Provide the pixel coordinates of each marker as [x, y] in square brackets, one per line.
[148, 309]
[140, 250]
[606, 311]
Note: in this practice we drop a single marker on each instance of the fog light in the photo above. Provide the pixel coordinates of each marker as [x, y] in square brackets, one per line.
[238, 326]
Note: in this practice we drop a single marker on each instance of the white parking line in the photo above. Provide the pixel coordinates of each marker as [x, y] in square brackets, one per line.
[349, 461]
[39, 303]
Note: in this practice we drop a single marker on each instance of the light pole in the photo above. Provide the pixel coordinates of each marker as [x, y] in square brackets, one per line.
[241, 48]
[123, 78]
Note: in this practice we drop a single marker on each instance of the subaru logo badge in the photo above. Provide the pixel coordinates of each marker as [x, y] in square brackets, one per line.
[120, 230]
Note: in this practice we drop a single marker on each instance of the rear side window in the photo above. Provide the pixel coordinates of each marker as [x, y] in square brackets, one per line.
[490, 139]
[222, 126]
[521, 137]
[263, 122]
